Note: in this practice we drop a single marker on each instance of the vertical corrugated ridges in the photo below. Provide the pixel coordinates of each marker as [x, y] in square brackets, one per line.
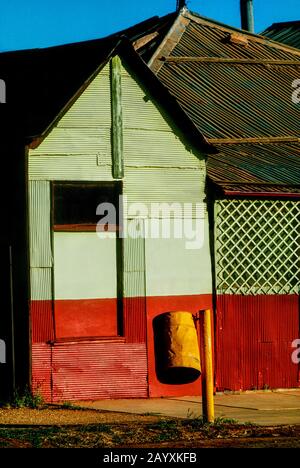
[134, 285]
[39, 210]
[135, 319]
[42, 326]
[254, 335]
[41, 284]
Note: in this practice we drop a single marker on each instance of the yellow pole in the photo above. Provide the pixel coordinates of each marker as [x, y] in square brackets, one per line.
[208, 387]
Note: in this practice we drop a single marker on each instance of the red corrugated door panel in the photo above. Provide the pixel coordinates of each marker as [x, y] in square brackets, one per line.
[254, 336]
[93, 370]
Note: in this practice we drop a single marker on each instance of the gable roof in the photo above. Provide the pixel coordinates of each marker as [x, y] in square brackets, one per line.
[236, 87]
[41, 82]
[287, 32]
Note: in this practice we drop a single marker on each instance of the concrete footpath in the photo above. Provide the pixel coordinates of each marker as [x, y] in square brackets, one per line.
[264, 408]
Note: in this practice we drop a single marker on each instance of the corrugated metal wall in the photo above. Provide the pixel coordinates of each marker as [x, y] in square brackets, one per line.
[89, 166]
[42, 321]
[93, 108]
[257, 256]
[254, 342]
[41, 370]
[99, 370]
[174, 270]
[134, 304]
[158, 168]
[41, 262]
[89, 370]
[40, 232]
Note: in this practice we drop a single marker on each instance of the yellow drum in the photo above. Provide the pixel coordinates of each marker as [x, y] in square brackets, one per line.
[177, 353]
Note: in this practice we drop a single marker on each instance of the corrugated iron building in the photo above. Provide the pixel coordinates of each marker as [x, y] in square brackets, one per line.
[96, 349]
[219, 95]
[93, 296]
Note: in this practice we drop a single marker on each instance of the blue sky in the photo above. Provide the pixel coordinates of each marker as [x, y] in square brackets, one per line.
[41, 23]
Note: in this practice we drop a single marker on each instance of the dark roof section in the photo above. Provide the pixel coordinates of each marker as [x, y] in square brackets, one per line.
[41, 82]
[256, 168]
[235, 86]
[286, 33]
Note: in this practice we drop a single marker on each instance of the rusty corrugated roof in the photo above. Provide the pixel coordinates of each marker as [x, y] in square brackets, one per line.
[235, 86]
[256, 168]
[287, 33]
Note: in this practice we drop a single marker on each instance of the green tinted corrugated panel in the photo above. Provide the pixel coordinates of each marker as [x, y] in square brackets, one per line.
[68, 167]
[134, 284]
[157, 148]
[138, 110]
[124, 72]
[92, 108]
[165, 185]
[149, 139]
[134, 248]
[105, 70]
[134, 260]
[76, 141]
[39, 209]
[41, 284]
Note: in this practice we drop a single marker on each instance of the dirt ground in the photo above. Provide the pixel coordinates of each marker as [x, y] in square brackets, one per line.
[60, 427]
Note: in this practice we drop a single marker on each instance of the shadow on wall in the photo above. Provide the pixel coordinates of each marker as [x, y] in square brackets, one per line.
[176, 348]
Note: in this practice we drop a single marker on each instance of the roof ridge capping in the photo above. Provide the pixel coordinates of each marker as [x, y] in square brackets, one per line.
[280, 24]
[196, 17]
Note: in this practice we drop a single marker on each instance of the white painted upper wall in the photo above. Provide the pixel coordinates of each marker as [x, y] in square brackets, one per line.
[85, 265]
[177, 267]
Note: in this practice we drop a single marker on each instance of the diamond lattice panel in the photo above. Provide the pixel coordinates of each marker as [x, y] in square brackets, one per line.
[258, 247]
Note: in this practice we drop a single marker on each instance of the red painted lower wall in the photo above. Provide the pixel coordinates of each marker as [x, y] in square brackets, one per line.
[252, 348]
[42, 321]
[85, 317]
[157, 306]
[109, 368]
[253, 342]
[42, 370]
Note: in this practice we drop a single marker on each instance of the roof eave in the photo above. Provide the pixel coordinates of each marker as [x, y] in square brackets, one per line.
[230, 193]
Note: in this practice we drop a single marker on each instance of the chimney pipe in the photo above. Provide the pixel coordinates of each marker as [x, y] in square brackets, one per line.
[247, 15]
[180, 4]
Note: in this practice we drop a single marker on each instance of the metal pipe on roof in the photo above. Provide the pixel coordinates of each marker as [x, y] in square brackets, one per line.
[180, 4]
[247, 15]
